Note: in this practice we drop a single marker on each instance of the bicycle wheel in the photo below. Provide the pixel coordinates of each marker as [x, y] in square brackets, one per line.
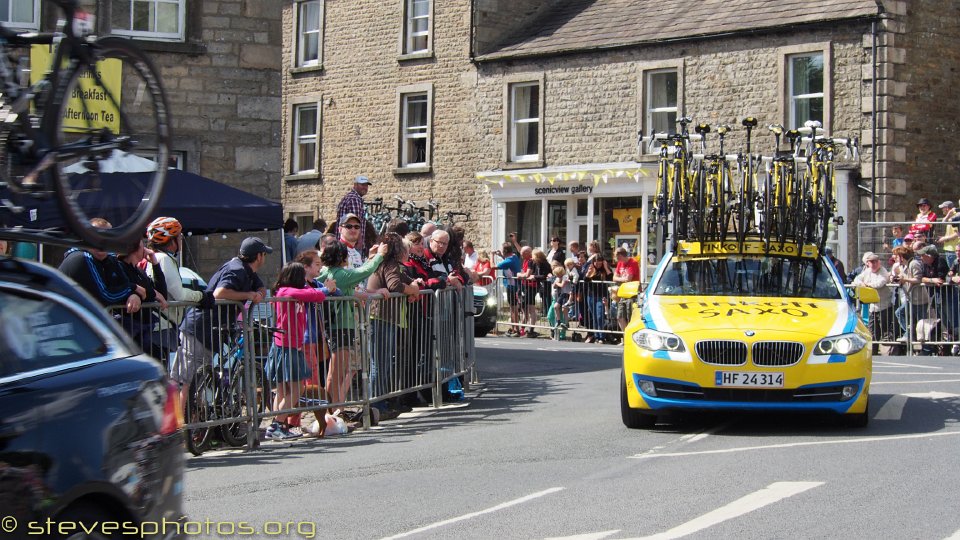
[109, 100]
[200, 408]
[234, 406]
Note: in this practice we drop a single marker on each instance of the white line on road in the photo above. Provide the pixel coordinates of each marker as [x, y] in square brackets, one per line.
[496, 508]
[874, 383]
[892, 409]
[587, 536]
[954, 536]
[911, 373]
[897, 364]
[793, 445]
[754, 501]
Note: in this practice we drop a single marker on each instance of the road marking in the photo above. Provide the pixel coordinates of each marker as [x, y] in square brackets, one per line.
[704, 434]
[909, 373]
[798, 444]
[744, 505]
[897, 364]
[874, 383]
[932, 395]
[588, 536]
[892, 409]
[954, 536]
[472, 515]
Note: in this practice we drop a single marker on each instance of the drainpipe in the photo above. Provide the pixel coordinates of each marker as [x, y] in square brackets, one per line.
[874, 30]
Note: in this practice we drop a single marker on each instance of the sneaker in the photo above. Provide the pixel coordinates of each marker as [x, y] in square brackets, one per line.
[273, 432]
[286, 433]
[532, 334]
[512, 333]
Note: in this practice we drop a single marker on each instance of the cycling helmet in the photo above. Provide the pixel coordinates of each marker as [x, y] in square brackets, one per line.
[163, 229]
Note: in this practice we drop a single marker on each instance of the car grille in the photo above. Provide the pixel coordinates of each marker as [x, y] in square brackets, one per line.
[777, 353]
[722, 353]
[817, 394]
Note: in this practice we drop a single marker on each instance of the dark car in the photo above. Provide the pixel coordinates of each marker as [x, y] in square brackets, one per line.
[89, 426]
[485, 307]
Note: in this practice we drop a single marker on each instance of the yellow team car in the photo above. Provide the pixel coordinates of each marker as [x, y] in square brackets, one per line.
[745, 327]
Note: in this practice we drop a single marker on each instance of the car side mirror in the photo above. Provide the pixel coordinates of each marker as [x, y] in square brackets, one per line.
[629, 289]
[867, 295]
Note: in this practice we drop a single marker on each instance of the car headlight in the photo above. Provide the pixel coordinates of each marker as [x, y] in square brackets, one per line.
[844, 344]
[491, 301]
[658, 341]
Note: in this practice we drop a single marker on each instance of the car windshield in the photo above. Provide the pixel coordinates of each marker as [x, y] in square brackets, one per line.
[746, 275]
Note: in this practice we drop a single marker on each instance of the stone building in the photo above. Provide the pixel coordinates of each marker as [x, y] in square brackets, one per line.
[526, 112]
[219, 63]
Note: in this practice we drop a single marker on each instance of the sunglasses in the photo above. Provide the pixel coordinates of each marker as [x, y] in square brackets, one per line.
[350, 226]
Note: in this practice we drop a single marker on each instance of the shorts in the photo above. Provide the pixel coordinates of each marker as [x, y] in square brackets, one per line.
[528, 295]
[285, 364]
[624, 309]
[512, 297]
[342, 338]
[191, 354]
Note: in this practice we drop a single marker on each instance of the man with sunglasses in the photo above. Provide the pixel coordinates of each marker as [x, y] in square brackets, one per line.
[351, 234]
[352, 203]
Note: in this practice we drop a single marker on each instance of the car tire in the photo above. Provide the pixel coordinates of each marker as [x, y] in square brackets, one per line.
[633, 418]
[481, 332]
[858, 420]
[87, 514]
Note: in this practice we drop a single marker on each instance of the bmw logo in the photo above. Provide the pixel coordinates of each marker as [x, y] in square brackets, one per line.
[750, 333]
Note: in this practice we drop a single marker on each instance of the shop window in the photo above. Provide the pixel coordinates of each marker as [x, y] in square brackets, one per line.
[805, 84]
[309, 37]
[523, 218]
[306, 138]
[149, 19]
[525, 121]
[20, 14]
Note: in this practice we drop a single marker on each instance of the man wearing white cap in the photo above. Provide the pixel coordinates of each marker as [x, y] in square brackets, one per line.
[950, 238]
[352, 203]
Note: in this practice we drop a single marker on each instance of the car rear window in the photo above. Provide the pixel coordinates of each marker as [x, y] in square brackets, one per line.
[39, 333]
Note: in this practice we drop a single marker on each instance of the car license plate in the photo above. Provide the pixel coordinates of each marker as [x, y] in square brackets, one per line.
[750, 379]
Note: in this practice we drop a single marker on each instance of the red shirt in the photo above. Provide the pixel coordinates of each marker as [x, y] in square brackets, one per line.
[629, 269]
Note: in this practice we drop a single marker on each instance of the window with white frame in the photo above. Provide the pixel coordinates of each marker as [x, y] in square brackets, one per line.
[661, 101]
[416, 34]
[20, 13]
[309, 28]
[415, 130]
[805, 83]
[525, 121]
[149, 19]
[305, 137]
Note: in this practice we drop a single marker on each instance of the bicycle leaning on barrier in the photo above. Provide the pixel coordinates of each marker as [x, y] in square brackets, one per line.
[74, 117]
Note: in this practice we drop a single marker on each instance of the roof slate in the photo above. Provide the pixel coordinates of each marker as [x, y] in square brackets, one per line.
[590, 24]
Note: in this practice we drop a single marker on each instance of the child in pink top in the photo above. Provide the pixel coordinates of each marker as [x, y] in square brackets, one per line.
[286, 365]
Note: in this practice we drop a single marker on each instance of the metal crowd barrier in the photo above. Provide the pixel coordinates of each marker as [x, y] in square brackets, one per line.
[925, 321]
[356, 352]
[589, 311]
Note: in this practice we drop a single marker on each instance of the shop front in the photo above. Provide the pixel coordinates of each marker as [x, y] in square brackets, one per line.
[607, 202]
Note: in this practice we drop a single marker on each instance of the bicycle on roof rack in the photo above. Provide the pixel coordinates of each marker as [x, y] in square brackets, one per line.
[74, 117]
[788, 197]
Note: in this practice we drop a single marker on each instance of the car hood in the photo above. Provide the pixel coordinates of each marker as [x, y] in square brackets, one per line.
[685, 314]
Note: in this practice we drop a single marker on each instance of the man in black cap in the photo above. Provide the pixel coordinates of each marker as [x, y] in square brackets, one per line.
[925, 216]
[203, 330]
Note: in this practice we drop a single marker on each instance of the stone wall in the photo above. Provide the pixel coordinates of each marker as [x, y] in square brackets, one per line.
[226, 107]
[358, 91]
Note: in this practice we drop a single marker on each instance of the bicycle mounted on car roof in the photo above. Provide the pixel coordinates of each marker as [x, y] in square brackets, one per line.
[71, 119]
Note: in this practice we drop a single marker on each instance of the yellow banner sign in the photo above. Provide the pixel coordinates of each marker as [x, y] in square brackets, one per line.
[747, 248]
[88, 106]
